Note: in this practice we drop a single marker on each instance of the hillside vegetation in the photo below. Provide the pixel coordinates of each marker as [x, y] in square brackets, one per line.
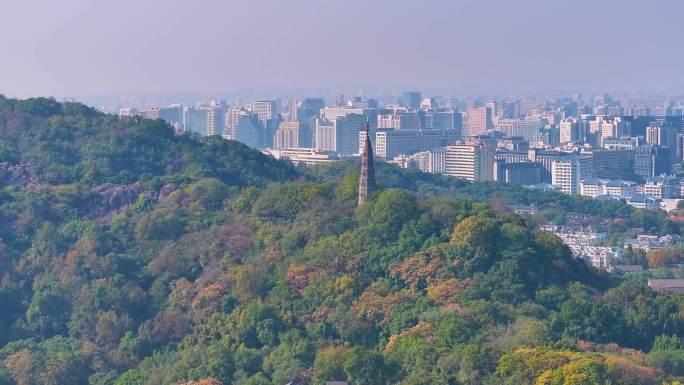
[131, 256]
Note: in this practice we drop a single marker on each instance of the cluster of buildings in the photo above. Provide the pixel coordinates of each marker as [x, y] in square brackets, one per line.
[595, 146]
[590, 245]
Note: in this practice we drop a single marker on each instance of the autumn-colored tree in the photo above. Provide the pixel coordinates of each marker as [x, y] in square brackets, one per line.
[661, 258]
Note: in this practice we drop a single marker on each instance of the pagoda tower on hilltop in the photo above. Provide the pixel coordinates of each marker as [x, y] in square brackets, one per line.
[367, 177]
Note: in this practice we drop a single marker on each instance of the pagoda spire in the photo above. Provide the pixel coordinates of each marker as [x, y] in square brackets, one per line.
[367, 175]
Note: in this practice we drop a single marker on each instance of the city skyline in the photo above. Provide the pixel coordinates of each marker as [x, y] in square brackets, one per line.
[170, 48]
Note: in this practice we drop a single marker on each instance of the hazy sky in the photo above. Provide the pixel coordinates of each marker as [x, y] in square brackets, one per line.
[93, 47]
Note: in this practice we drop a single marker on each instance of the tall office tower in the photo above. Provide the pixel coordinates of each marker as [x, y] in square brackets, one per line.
[204, 119]
[232, 118]
[568, 131]
[680, 148]
[568, 172]
[411, 99]
[249, 130]
[194, 120]
[473, 161]
[310, 108]
[308, 111]
[492, 107]
[172, 114]
[661, 134]
[611, 129]
[265, 110]
[528, 128]
[548, 135]
[478, 121]
[523, 173]
[367, 174]
[215, 114]
[269, 115]
[325, 135]
[612, 164]
[511, 109]
[650, 161]
[287, 135]
[347, 133]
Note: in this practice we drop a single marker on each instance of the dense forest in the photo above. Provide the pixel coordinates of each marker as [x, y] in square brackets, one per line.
[133, 256]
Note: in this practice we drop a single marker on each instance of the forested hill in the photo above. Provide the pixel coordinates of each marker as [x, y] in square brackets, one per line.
[71, 143]
[130, 256]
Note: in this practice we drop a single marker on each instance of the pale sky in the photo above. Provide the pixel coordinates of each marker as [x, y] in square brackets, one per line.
[94, 47]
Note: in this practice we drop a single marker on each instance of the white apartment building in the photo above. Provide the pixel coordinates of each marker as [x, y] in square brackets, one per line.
[595, 187]
[473, 161]
[568, 132]
[568, 172]
[325, 135]
[662, 187]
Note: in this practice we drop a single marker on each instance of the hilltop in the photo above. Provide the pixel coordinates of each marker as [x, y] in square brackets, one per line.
[130, 255]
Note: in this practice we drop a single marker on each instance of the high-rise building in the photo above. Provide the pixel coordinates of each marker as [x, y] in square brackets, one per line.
[661, 134]
[287, 135]
[478, 121]
[411, 99]
[442, 120]
[268, 113]
[527, 128]
[546, 159]
[265, 110]
[680, 148]
[347, 133]
[662, 187]
[568, 131]
[650, 161]
[522, 173]
[194, 120]
[205, 119]
[367, 173]
[613, 164]
[325, 135]
[308, 111]
[568, 172]
[309, 108]
[400, 120]
[473, 160]
[249, 130]
[172, 114]
[390, 143]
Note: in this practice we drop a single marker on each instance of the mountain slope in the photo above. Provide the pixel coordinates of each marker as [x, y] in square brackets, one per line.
[132, 256]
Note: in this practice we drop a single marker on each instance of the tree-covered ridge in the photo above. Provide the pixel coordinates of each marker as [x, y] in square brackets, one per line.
[209, 263]
[71, 143]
